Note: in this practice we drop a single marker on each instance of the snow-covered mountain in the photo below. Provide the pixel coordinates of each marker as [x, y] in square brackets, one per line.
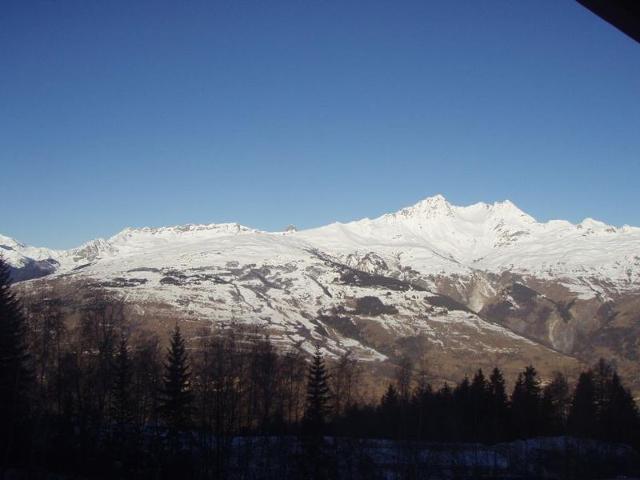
[431, 237]
[486, 279]
[435, 237]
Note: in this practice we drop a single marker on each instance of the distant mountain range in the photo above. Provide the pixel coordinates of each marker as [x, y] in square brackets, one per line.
[453, 287]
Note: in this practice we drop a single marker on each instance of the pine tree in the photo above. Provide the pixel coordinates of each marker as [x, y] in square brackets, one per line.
[122, 399]
[583, 414]
[15, 372]
[177, 397]
[390, 399]
[479, 405]
[464, 412]
[461, 392]
[421, 405]
[389, 412]
[526, 404]
[498, 406]
[619, 418]
[315, 458]
[556, 400]
[602, 373]
[317, 407]
[498, 391]
[445, 422]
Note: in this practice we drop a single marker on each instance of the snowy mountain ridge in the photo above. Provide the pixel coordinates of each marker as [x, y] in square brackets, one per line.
[466, 285]
[432, 236]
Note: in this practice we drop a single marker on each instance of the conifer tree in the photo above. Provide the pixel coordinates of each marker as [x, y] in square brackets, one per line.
[15, 371]
[479, 405]
[444, 422]
[461, 392]
[390, 406]
[619, 417]
[122, 398]
[177, 397]
[317, 407]
[315, 456]
[526, 404]
[498, 405]
[421, 405]
[556, 400]
[463, 420]
[391, 399]
[602, 373]
[583, 414]
[498, 391]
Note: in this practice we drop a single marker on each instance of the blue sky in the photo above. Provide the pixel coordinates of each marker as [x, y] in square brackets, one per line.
[116, 114]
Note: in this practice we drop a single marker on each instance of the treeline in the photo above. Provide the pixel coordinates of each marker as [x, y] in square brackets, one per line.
[92, 396]
[480, 410]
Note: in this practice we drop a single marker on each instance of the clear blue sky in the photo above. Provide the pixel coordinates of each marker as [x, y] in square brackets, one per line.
[134, 113]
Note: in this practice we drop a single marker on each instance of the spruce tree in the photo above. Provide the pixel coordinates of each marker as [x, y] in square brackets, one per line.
[556, 399]
[390, 405]
[445, 423]
[464, 412]
[391, 399]
[498, 391]
[619, 417]
[498, 406]
[526, 404]
[315, 459]
[583, 414]
[177, 397]
[479, 406]
[15, 372]
[317, 407]
[122, 398]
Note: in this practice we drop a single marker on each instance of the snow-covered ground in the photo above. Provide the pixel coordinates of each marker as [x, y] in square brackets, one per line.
[288, 280]
[431, 237]
[435, 237]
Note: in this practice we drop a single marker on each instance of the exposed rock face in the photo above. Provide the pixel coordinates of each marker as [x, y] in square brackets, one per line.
[31, 268]
[455, 287]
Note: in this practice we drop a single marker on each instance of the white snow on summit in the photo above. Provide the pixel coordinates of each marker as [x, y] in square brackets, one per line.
[431, 237]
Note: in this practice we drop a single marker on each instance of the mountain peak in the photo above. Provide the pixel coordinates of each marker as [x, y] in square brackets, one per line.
[9, 243]
[591, 225]
[507, 208]
[430, 207]
[437, 206]
[435, 202]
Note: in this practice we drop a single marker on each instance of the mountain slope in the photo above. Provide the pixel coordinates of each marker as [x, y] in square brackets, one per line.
[454, 286]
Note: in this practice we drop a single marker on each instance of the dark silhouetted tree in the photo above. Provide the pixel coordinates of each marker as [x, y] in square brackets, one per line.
[498, 406]
[619, 416]
[177, 398]
[316, 460]
[556, 400]
[317, 406]
[463, 413]
[526, 404]
[479, 402]
[15, 370]
[390, 406]
[122, 399]
[583, 413]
